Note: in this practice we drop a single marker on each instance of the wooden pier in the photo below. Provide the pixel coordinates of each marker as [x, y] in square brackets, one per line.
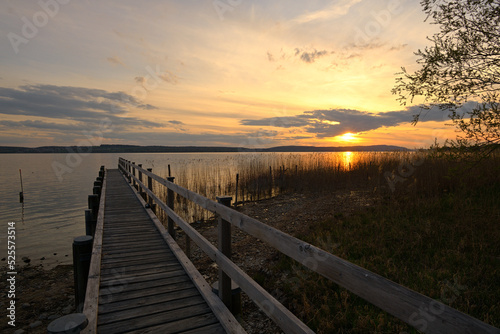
[142, 286]
[140, 281]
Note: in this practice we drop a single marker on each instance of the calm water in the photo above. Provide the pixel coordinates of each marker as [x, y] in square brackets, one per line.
[53, 210]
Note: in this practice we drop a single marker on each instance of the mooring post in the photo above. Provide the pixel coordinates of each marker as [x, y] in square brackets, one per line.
[224, 245]
[90, 223]
[97, 188]
[170, 204]
[82, 252]
[94, 205]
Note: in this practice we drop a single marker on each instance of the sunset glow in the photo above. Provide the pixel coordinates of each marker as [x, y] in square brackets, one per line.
[348, 137]
[259, 74]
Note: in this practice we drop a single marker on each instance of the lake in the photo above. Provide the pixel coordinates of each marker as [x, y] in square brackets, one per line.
[56, 188]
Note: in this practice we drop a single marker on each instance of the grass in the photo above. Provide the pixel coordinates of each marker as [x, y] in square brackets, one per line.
[437, 233]
[434, 228]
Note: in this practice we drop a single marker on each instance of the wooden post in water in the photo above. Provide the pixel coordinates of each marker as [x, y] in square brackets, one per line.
[21, 193]
[170, 204]
[90, 223]
[82, 252]
[94, 205]
[97, 189]
[224, 245]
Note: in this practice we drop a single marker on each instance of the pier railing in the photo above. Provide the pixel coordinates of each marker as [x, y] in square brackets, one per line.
[403, 303]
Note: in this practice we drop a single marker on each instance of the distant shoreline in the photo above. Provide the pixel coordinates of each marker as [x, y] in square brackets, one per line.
[193, 149]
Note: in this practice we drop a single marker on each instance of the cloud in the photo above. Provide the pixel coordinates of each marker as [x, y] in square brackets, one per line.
[140, 80]
[335, 10]
[169, 77]
[334, 122]
[64, 108]
[310, 57]
[270, 57]
[115, 61]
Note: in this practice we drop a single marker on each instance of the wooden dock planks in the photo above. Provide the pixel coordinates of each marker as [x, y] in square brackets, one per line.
[143, 287]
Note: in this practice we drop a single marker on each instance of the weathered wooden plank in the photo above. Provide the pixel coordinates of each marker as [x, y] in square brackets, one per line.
[123, 285]
[147, 300]
[112, 296]
[172, 271]
[137, 253]
[137, 257]
[211, 329]
[107, 270]
[131, 246]
[154, 306]
[180, 325]
[159, 318]
[157, 258]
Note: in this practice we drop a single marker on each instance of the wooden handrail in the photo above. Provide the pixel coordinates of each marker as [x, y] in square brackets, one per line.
[410, 306]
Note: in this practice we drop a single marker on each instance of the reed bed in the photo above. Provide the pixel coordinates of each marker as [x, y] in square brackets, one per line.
[253, 177]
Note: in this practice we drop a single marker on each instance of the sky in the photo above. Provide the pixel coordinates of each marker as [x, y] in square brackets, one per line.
[239, 73]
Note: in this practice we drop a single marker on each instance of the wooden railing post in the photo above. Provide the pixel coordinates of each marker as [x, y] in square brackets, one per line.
[150, 187]
[170, 204]
[140, 178]
[133, 173]
[224, 245]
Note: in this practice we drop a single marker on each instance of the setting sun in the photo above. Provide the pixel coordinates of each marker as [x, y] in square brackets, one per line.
[348, 137]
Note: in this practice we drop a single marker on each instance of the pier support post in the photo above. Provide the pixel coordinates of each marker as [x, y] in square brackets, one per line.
[224, 245]
[82, 252]
[170, 204]
[97, 188]
[90, 223]
[94, 205]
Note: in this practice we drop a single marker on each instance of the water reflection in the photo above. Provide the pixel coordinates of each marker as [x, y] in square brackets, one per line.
[347, 160]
